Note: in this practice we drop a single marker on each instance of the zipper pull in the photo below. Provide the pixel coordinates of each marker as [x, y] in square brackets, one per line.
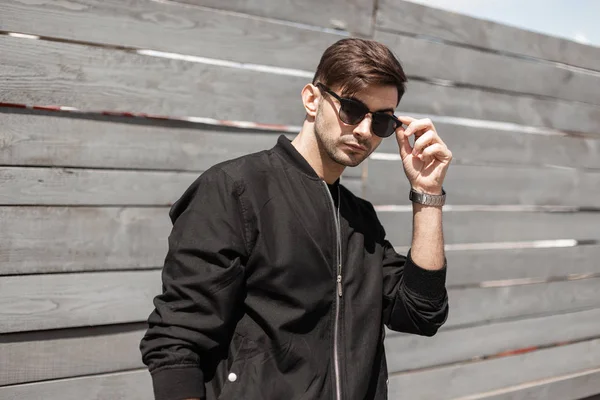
[339, 285]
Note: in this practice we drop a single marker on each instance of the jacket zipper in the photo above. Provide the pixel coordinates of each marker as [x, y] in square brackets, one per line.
[336, 361]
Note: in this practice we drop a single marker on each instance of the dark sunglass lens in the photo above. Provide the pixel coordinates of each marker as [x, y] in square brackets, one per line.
[351, 112]
[383, 125]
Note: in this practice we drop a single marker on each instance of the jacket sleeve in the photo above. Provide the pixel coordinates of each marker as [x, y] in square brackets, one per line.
[202, 286]
[415, 300]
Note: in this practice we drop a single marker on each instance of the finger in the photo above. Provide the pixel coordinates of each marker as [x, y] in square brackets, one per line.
[437, 150]
[405, 119]
[403, 143]
[423, 141]
[419, 126]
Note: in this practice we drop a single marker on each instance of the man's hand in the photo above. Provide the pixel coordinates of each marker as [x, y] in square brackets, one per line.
[426, 163]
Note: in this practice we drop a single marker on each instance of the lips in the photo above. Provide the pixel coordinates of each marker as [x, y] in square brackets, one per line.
[356, 147]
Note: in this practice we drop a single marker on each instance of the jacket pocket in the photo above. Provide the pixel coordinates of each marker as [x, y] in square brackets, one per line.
[276, 372]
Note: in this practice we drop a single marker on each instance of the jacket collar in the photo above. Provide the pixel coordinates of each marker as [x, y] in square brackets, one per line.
[289, 153]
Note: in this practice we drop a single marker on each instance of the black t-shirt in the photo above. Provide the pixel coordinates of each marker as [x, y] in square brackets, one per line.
[333, 189]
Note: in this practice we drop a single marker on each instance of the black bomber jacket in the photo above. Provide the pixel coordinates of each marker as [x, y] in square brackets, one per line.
[260, 299]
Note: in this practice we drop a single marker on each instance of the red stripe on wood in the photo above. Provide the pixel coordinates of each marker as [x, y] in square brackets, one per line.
[125, 114]
[10, 105]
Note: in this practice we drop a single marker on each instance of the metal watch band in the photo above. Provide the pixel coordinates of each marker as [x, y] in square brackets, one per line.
[427, 199]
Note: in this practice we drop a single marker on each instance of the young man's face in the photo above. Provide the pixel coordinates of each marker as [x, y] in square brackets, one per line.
[345, 144]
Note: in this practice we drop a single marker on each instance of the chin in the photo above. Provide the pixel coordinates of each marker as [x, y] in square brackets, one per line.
[348, 160]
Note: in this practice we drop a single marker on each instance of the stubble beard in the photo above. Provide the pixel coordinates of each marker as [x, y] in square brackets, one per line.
[330, 145]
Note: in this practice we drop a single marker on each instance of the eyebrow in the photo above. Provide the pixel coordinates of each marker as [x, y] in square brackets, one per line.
[385, 110]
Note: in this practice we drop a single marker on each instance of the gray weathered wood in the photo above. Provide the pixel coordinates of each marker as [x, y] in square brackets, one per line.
[482, 305]
[178, 28]
[425, 98]
[68, 239]
[458, 380]
[62, 239]
[473, 267]
[491, 185]
[354, 16]
[407, 352]
[499, 226]
[38, 302]
[100, 79]
[57, 239]
[135, 83]
[130, 385]
[473, 67]
[565, 387]
[173, 27]
[477, 145]
[64, 186]
[406, 17]
[36, 356]
[50, 140]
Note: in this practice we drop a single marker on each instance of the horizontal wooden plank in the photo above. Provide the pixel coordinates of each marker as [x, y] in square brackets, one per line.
[407, 17]
[135, 83]
[64, 239]
[56, 140]
[130, 385]
[458, 380]
[475, 306]
[63, 186]
[476, 266]
[354, 16]
[470, 144]
[564, 387]
[173, 27]
[408, 352]
[38, 302]
[37, 356]
[498, 226]
[100, 79]
[468, 66]
[178, 28]
[61, 239]
[425, 98]
[136, 385]
[490, 185]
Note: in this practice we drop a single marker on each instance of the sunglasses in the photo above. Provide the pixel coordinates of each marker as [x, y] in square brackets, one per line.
[352, 111]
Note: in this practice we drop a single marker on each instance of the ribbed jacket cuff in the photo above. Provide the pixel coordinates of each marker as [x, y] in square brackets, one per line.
[178, 382]
[430, 284]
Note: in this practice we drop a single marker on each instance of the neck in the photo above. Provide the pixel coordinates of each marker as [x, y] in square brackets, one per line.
[310, 148]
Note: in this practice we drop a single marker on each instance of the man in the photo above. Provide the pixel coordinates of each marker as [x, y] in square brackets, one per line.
[279, 281]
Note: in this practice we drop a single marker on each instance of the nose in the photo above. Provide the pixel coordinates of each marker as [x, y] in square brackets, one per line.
[364, 127]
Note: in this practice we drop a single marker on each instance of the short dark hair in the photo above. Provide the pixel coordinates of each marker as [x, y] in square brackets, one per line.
[353, 64]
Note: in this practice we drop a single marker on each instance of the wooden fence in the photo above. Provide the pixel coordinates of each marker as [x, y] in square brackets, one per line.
[84, 194]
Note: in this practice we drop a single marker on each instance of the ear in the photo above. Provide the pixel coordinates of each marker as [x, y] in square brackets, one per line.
[310, 98]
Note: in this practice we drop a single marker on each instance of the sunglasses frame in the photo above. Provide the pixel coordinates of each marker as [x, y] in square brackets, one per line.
[341, 100]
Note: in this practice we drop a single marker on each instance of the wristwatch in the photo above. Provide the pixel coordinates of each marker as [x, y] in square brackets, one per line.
[427, 199]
